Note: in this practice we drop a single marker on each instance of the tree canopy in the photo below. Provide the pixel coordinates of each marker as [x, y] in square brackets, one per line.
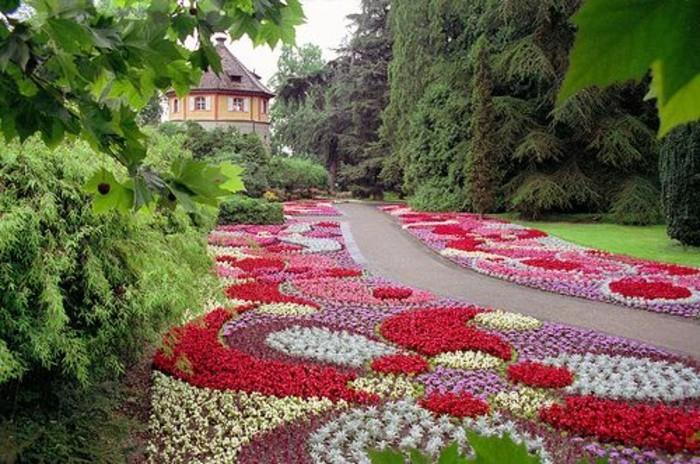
[71, 68]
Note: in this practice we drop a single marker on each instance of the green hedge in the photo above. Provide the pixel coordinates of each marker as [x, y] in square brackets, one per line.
[245, 210]
[680, 183]
[290, 173]
[82, 296]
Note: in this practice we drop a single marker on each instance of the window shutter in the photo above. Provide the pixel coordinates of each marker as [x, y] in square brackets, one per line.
[191, 103]
[230, 103]
[246, 104]
[207, 103]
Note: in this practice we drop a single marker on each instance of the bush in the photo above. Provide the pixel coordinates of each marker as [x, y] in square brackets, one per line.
[246, 150]
[680, 183]
[437, 196]
[290, 174]
[244, 210]
[82, 296]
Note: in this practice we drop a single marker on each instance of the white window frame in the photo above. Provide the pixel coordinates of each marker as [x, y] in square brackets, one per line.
[236, 104]
[200, 103]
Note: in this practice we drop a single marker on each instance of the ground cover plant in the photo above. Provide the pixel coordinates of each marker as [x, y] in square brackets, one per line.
[532, 257]
[314, 360]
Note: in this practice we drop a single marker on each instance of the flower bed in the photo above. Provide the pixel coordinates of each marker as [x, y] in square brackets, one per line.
[310, 208]
[313, 360]
[533, 258]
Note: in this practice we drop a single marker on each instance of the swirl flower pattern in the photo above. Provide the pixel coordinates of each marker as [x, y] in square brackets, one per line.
[314, 360]
[533, 258]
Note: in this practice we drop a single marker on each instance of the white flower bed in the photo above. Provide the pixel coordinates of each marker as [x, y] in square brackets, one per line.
[198, 425]
[405, 425]
[313, 244]
[327, 346]
[502, 320]
[624, 377]
[468, 360]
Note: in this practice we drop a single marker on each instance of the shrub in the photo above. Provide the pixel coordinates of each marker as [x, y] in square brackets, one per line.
[290, 174]
[637, 203]
[680, 183]
[244, 210]
[437, 196]
[83, 294]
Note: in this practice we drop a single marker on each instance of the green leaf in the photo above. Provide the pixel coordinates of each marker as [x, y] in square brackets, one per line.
[386, 456]
[618, 40]
[418, 458]
[450, 455]
[498, 450]
[108, 194]
[9, 6]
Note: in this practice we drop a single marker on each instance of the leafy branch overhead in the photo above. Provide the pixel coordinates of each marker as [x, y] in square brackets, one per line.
[70, 68]
[619, 40]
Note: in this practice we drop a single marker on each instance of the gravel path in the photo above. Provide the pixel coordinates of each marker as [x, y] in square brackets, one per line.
[379, 243]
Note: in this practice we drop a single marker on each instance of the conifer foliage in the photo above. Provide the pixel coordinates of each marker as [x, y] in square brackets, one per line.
[494, 68]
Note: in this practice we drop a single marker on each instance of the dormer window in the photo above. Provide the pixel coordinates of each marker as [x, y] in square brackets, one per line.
[235, 78]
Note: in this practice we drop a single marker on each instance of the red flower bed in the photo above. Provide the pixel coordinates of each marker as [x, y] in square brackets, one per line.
[342, 272]
[392, 293]
[659, 426]
[400, 364]
[263, 292]
[552, 264]
[194, 353]
[465, 244]
[670, 269]
[449, 229]
[458, 405]
[539, 375]
[334, 225]
[525, 234]
[298, 269]
[434, 331]
[253, 264]
[640, 288]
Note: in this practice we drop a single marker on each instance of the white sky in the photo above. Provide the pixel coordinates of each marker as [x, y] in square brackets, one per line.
[325, 26]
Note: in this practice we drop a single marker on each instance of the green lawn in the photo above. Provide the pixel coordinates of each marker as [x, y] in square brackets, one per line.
[650, 242]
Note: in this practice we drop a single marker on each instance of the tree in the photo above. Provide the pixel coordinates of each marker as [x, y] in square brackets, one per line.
[619, 40]
[680, 181]
[334, 112]
[69, 68]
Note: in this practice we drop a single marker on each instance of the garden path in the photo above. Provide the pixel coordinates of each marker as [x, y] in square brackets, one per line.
[379, 243]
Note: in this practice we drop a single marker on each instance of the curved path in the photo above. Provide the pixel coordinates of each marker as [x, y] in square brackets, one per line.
[382, 246]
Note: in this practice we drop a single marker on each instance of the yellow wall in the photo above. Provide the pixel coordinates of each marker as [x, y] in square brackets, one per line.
[219, 110]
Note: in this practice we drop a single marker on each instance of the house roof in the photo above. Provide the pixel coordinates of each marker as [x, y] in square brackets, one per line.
[249, 81]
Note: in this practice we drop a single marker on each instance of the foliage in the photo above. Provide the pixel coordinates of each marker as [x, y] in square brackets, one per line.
[637, 203]
[83, 294]
[231, 146]
[69, 68]
[619, 40]
[437, 195]
[334, 111]
[244, 210]
[294, 173]
[478, 124]
[680, 183]
[152, 113]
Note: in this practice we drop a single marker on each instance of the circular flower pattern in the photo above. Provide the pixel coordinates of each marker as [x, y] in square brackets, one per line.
[309, 365]
[531, 257]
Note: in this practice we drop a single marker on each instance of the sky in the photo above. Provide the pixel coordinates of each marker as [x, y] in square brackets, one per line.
[325, 26]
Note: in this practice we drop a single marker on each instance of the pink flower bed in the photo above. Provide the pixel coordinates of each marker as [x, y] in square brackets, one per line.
[314, 360]
[310, 208]
[533, 258]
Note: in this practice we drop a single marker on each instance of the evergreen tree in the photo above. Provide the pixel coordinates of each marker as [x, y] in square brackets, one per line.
[680, 180]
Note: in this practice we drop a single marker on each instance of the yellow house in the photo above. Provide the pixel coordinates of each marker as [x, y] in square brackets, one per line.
[234, 98]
